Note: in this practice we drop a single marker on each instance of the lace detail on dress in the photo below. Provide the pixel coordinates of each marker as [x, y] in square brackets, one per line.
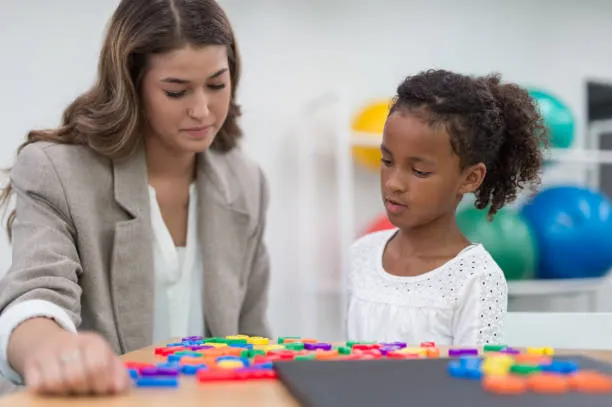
[493, 302]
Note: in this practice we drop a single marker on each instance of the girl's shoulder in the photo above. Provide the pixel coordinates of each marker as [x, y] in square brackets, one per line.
[476, 266]
[372, 241]
[366, 251]
[478, 259]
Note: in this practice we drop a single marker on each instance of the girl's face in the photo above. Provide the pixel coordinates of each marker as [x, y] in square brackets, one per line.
[186, 95]
[421, 177]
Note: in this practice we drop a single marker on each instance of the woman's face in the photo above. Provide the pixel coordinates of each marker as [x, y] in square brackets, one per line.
[186, 95]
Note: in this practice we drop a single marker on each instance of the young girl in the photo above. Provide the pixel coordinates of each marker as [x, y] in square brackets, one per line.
[446, 135]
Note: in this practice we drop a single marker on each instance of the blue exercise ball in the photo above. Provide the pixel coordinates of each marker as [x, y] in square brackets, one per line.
[573, 229]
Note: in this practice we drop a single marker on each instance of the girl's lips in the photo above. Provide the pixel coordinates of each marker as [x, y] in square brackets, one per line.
[394, 206]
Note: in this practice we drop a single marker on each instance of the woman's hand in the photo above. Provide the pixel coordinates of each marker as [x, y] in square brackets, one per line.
[64, 363]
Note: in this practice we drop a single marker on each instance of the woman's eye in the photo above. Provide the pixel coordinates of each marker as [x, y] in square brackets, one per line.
[175, 94]
[217, 87]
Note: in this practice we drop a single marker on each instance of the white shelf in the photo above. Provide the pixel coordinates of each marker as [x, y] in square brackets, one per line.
[554, 287]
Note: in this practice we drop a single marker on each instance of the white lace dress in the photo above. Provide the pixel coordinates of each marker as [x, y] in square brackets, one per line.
[461, 303]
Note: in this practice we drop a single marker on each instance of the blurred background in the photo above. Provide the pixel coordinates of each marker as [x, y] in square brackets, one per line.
[317, 78]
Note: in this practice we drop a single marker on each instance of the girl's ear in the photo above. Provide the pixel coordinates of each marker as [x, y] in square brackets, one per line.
[473, 177]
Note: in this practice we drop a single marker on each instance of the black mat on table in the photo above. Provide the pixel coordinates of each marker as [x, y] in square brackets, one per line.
[424, 382]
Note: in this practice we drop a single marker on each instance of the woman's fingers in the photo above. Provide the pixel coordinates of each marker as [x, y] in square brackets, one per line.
[76, 364]
[122, 381]
[98, 362]
[52, 381]
[74, 372]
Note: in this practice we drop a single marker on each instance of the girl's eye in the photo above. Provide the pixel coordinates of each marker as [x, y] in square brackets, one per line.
[421, 174]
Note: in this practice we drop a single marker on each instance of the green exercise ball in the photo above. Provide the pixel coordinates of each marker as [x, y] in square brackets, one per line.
[508, 239]
[558, 118]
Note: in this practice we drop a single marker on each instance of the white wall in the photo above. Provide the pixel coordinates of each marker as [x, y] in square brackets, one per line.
[294, 51]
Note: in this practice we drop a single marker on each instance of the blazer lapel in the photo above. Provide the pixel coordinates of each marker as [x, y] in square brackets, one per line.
[223, 227]
[132, 269]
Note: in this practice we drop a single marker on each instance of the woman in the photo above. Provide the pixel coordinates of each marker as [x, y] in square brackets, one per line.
[138, 219]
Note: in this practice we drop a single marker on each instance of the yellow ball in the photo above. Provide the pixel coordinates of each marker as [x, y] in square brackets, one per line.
[370, 121]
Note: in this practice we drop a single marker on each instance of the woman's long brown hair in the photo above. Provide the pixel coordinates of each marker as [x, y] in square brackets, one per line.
[108, 116]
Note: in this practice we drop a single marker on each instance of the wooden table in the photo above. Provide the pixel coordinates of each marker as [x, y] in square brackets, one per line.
[191, 393]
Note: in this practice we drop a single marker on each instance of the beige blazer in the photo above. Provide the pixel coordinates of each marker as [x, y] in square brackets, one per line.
[83, 240]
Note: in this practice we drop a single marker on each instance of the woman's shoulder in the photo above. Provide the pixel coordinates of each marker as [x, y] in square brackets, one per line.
[43, 165]
[61, 156]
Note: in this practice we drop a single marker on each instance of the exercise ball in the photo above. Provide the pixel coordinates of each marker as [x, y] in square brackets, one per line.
[381, 222]
[370, 120]
[558, 118]
[507, 238]
[573, 228]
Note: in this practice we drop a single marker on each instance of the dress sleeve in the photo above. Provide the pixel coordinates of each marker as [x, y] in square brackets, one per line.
[482, 305]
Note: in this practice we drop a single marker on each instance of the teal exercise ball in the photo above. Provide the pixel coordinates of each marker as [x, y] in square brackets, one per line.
[558, 118]
[508, 238]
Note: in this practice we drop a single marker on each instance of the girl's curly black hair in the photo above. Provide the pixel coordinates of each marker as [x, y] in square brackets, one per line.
[488, 121]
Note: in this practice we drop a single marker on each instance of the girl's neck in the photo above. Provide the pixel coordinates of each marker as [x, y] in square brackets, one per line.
[440, 237]
[166, 163]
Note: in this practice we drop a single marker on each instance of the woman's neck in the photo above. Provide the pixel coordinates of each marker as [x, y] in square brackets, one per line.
[440, 237]
[163, 162]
